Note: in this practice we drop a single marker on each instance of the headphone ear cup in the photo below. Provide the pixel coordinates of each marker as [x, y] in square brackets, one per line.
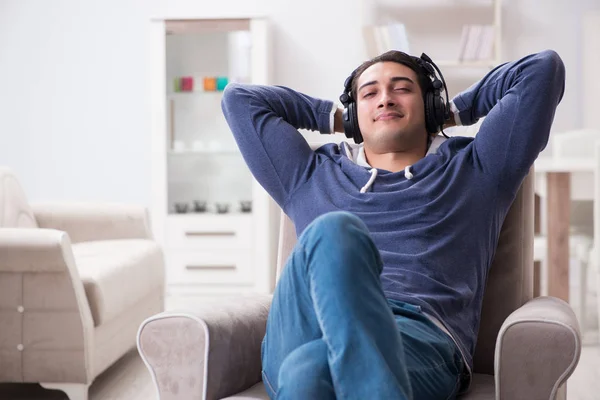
[440, 110]
[430, 124]
[351, 128]
[435, 111]
[346, 118]
[356, 134]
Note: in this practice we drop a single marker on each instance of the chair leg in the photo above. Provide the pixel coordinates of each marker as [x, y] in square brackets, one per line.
[74, 391]
[561, 393]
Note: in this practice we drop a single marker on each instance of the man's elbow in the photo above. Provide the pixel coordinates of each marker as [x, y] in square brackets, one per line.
[551, 69]
[231, 94]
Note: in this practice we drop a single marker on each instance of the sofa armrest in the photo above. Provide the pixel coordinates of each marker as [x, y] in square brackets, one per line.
[210, 353]
[43, 300]
[94, 221]
[537, 349]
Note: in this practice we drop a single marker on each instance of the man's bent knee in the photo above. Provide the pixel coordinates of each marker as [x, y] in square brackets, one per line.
[336, 224]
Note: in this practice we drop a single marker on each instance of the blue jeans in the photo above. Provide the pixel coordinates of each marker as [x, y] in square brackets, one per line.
[331, 332]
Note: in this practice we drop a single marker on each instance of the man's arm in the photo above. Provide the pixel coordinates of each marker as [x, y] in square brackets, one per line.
[519, 100]
[265, 122]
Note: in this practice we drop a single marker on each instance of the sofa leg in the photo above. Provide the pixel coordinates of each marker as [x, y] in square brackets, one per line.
[74, 391]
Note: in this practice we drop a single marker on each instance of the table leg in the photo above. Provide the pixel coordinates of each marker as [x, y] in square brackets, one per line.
[558, 214]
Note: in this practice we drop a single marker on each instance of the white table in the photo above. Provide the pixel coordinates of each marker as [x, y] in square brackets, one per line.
[558, 191]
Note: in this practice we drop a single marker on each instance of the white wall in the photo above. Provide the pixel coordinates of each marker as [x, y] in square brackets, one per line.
[74, 119]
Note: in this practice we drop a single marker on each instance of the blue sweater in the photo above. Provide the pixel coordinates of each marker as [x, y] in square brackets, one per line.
[436, 232]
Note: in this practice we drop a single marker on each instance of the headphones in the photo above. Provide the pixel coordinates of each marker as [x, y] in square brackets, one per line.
[436, 109]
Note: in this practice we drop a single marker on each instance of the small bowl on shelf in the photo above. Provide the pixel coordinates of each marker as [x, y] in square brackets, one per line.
[181, 208]
[246, 206]
[199, 206]
[222, 208]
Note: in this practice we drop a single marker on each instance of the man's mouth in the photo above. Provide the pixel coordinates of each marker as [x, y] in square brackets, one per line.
[386, 116]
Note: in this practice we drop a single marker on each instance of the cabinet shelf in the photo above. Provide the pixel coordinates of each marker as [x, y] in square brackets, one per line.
[195, 94]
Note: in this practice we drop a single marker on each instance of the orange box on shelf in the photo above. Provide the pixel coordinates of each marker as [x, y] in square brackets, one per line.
[210, 84]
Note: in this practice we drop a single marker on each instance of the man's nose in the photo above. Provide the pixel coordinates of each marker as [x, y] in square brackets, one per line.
[386, 100]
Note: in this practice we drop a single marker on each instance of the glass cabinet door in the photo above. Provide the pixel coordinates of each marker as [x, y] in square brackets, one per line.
[205, 170]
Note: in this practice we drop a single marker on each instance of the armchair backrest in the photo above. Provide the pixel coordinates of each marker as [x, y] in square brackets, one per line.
[15, 211]
[510, 280]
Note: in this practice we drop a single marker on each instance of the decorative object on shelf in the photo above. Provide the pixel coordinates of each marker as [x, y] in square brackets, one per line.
[181, 208]
[222, 81]
[246, 206]
[222, 208]
[210, 84]
[198, 145]
[199, 206]
[176, 84]
[187, 84]
[178, 145]
[214, 145]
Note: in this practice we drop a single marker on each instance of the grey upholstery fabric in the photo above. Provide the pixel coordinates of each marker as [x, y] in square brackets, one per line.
[510, 280]
[178, 347]
[542, 337]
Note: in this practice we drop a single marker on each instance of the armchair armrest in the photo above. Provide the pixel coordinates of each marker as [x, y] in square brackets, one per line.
[41, 290]
[206, 354]
[94, 221]
[538, 348]
[30, 250]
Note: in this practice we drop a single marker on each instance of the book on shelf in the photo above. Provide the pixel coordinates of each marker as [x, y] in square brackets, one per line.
[381, 38]
[477, 43]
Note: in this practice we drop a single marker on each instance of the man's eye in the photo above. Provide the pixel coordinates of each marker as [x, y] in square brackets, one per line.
[402, 89]
[369, 94]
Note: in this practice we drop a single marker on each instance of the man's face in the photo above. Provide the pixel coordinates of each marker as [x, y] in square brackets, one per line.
[389, 102]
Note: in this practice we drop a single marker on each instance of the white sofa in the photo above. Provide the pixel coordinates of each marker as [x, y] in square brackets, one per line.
[76, 281]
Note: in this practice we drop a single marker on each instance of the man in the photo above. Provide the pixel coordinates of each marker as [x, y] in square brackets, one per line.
[382, 294]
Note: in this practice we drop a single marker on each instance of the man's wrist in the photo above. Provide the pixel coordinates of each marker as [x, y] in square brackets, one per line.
[338, 123]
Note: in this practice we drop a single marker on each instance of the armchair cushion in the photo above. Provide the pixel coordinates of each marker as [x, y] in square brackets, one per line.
[94, 221]
[117, 274]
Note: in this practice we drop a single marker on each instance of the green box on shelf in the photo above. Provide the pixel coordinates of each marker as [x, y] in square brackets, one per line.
[177, 84]
[222, 81]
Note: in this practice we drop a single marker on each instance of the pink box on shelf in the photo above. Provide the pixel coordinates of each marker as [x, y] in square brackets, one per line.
[187, 84]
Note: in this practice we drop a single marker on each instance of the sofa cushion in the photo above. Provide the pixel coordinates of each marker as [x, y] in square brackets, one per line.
[118, 273]
[14, 208]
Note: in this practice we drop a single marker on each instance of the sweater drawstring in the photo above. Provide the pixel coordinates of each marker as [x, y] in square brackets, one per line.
[407, 173]
[373, 172]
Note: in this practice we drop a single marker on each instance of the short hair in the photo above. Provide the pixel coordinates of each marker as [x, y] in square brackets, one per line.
[423, 78]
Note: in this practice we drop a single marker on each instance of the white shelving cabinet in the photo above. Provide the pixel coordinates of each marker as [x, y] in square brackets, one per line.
[195, 159]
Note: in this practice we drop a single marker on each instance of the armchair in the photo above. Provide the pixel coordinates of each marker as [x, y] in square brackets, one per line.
[76, 280]
[527, 348]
